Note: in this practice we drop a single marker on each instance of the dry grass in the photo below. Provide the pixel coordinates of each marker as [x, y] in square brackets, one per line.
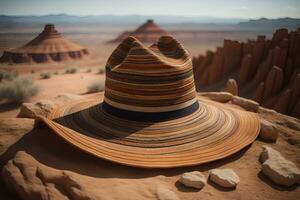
[71, 70]
[18, 89]
[96, 86]
[45, 75]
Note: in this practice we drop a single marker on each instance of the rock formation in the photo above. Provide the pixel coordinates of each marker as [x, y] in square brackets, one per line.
[49, 46]
[147, 32]
[266, 70]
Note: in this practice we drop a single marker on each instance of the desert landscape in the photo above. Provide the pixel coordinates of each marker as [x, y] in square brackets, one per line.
[149, 106]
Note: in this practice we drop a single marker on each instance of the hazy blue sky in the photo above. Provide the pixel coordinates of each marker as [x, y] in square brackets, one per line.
[218, 8]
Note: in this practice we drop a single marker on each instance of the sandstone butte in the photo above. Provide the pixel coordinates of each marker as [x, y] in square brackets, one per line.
[48, 47]
[147, 32]
[266, 70]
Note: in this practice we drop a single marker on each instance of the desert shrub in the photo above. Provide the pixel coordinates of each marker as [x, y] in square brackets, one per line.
[32, 71]
[18, 90]
[71, 70]
[101, 71]
[7, 75]
[96, 86]
[55, 73]
[88, 70]
[45, 75]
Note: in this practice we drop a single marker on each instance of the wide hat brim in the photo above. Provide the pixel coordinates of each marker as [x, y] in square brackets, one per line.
[213, 132]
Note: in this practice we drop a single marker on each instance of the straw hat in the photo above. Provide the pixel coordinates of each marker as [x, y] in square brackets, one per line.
[150, 114]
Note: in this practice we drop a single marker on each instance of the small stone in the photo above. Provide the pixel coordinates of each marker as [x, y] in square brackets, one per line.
[193, 179]
[218, 96]
[247, 104]
[224, 177]
[278, 169]
[268, 131]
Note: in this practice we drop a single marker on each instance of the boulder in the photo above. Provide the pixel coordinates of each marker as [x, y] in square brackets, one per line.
[232, 87]
[278, 169]
[31, 179]
[268, 131]
[44, 107]
[218, 96]
[224, 177]
[246, 103]
[193, 179]
[32, 110]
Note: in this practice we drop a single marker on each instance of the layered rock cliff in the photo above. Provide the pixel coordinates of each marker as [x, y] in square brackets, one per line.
[266, 70]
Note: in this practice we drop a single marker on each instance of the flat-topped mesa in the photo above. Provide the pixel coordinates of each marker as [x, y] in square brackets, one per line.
[48, 46]
[158, 78]
[252, 64]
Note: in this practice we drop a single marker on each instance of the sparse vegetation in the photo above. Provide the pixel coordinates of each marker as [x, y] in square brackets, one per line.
[55, 73]
[88, 70]
[101, 71]
[7, 75]
[45, 75]
[96, 86]
[71, 70]
[18, 89]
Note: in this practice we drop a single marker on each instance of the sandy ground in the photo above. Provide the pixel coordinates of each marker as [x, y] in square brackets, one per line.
[58, 84]
[40, 151]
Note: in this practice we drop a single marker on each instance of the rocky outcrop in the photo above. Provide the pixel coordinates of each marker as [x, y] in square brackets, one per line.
[33, 180]
[193, 179]
[278, 169]
[226, 178]
[267, 71]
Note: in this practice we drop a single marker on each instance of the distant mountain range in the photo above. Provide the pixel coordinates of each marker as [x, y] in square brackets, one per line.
[116, 19]
[168, 22]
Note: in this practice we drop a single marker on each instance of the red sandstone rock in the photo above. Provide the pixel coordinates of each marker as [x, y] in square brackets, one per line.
[232, 87]
[273, 82]
[215, 71]
[243, 75]
[232, 55]
[259, 93]
[49, 46]
[252, 64]
[147, 32]
[282, 104]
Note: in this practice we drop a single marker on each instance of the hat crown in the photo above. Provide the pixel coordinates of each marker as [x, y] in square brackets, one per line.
[158, 78]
